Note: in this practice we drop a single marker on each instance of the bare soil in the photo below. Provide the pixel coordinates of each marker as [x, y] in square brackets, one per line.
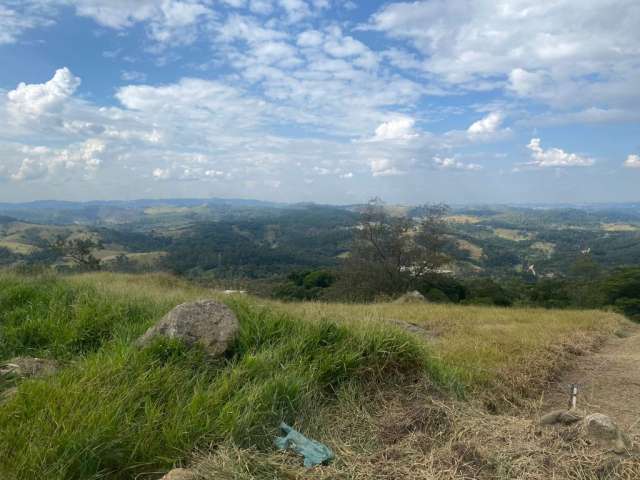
[608, 381]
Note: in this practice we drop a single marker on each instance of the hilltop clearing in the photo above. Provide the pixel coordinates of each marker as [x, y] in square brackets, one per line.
[453, 397]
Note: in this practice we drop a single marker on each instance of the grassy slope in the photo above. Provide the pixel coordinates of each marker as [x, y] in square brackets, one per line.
[115, 412]
[486, 346]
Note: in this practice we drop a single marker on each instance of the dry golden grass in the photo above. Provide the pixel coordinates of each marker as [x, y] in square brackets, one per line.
[463, 219]
[513, 235]
[18, 247]
[485, 344]
[410, 434]
[619, 227]
[475, 252]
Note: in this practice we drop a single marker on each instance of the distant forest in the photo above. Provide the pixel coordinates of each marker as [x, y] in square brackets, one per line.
[501, 255]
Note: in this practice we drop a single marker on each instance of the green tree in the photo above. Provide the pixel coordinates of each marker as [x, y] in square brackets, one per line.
[79, 251]
[391, 254]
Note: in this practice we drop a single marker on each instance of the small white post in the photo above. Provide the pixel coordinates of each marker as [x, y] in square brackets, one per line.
[574, 395]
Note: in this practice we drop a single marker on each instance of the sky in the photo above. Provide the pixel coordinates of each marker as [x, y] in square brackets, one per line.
[330, 101]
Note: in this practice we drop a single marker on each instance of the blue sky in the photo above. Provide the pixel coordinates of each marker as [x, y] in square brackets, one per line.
[321, 100]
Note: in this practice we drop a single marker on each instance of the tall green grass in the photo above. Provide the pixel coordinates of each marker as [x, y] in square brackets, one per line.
[47, 317]
[119, 412]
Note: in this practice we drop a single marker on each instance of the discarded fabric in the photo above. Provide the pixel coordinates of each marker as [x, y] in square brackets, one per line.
[314, 453]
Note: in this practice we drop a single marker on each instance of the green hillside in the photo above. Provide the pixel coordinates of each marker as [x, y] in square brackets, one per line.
[117, 412]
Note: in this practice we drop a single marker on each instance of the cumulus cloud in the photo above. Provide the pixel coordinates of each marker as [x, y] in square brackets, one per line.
[169, 20]
[400, 128]
[632, 161]
[44, 161]
[295, 90]
[448, 163]
[486, 126]
[29, 101]
[555, 157]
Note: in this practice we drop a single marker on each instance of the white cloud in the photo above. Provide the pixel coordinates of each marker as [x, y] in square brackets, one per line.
[555, 157]
[344, 46]
[587, 116]
[30, 101]
[486, 126]
[526, 83]
[310, 38]
[168, 20]
[187, 173]
[632, 161]
[400, 128]
[262, 7]
[384, 167]
[526, 45]
[133, 76]
[30, 169]
[43, 161]
[448, 163]
[161, 173]
[14, 23]
[296, 9]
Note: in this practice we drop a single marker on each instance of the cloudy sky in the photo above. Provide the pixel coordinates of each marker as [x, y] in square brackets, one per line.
[462, 101]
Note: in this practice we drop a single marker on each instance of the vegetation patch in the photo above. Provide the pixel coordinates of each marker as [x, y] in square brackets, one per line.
[118, 412]
[513, 235]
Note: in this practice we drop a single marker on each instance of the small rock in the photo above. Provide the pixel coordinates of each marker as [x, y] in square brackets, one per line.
[208, 323]
[28, 367]
[571, 416]
[605, 432]
[565, 417]
[179, 474]
[551, 418]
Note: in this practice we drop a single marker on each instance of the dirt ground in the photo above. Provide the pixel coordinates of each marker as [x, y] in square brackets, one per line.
[608, 380]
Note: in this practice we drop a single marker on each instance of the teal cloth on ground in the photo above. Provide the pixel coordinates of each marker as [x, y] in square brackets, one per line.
[314, 453]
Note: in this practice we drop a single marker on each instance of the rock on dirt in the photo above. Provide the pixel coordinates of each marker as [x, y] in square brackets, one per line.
[28, 367]
[604, 431]
[179, 474]
[208, 323]
[564, 417]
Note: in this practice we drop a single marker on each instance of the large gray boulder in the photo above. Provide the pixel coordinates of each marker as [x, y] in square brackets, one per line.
[603, 430]
[208, 323]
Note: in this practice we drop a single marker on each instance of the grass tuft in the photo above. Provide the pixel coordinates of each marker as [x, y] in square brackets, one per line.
[119, 412]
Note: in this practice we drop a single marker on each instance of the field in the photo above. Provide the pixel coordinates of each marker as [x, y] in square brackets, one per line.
[513, 235]
[346, 374]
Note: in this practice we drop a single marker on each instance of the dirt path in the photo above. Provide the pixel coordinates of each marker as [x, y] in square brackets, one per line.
[609, 382]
